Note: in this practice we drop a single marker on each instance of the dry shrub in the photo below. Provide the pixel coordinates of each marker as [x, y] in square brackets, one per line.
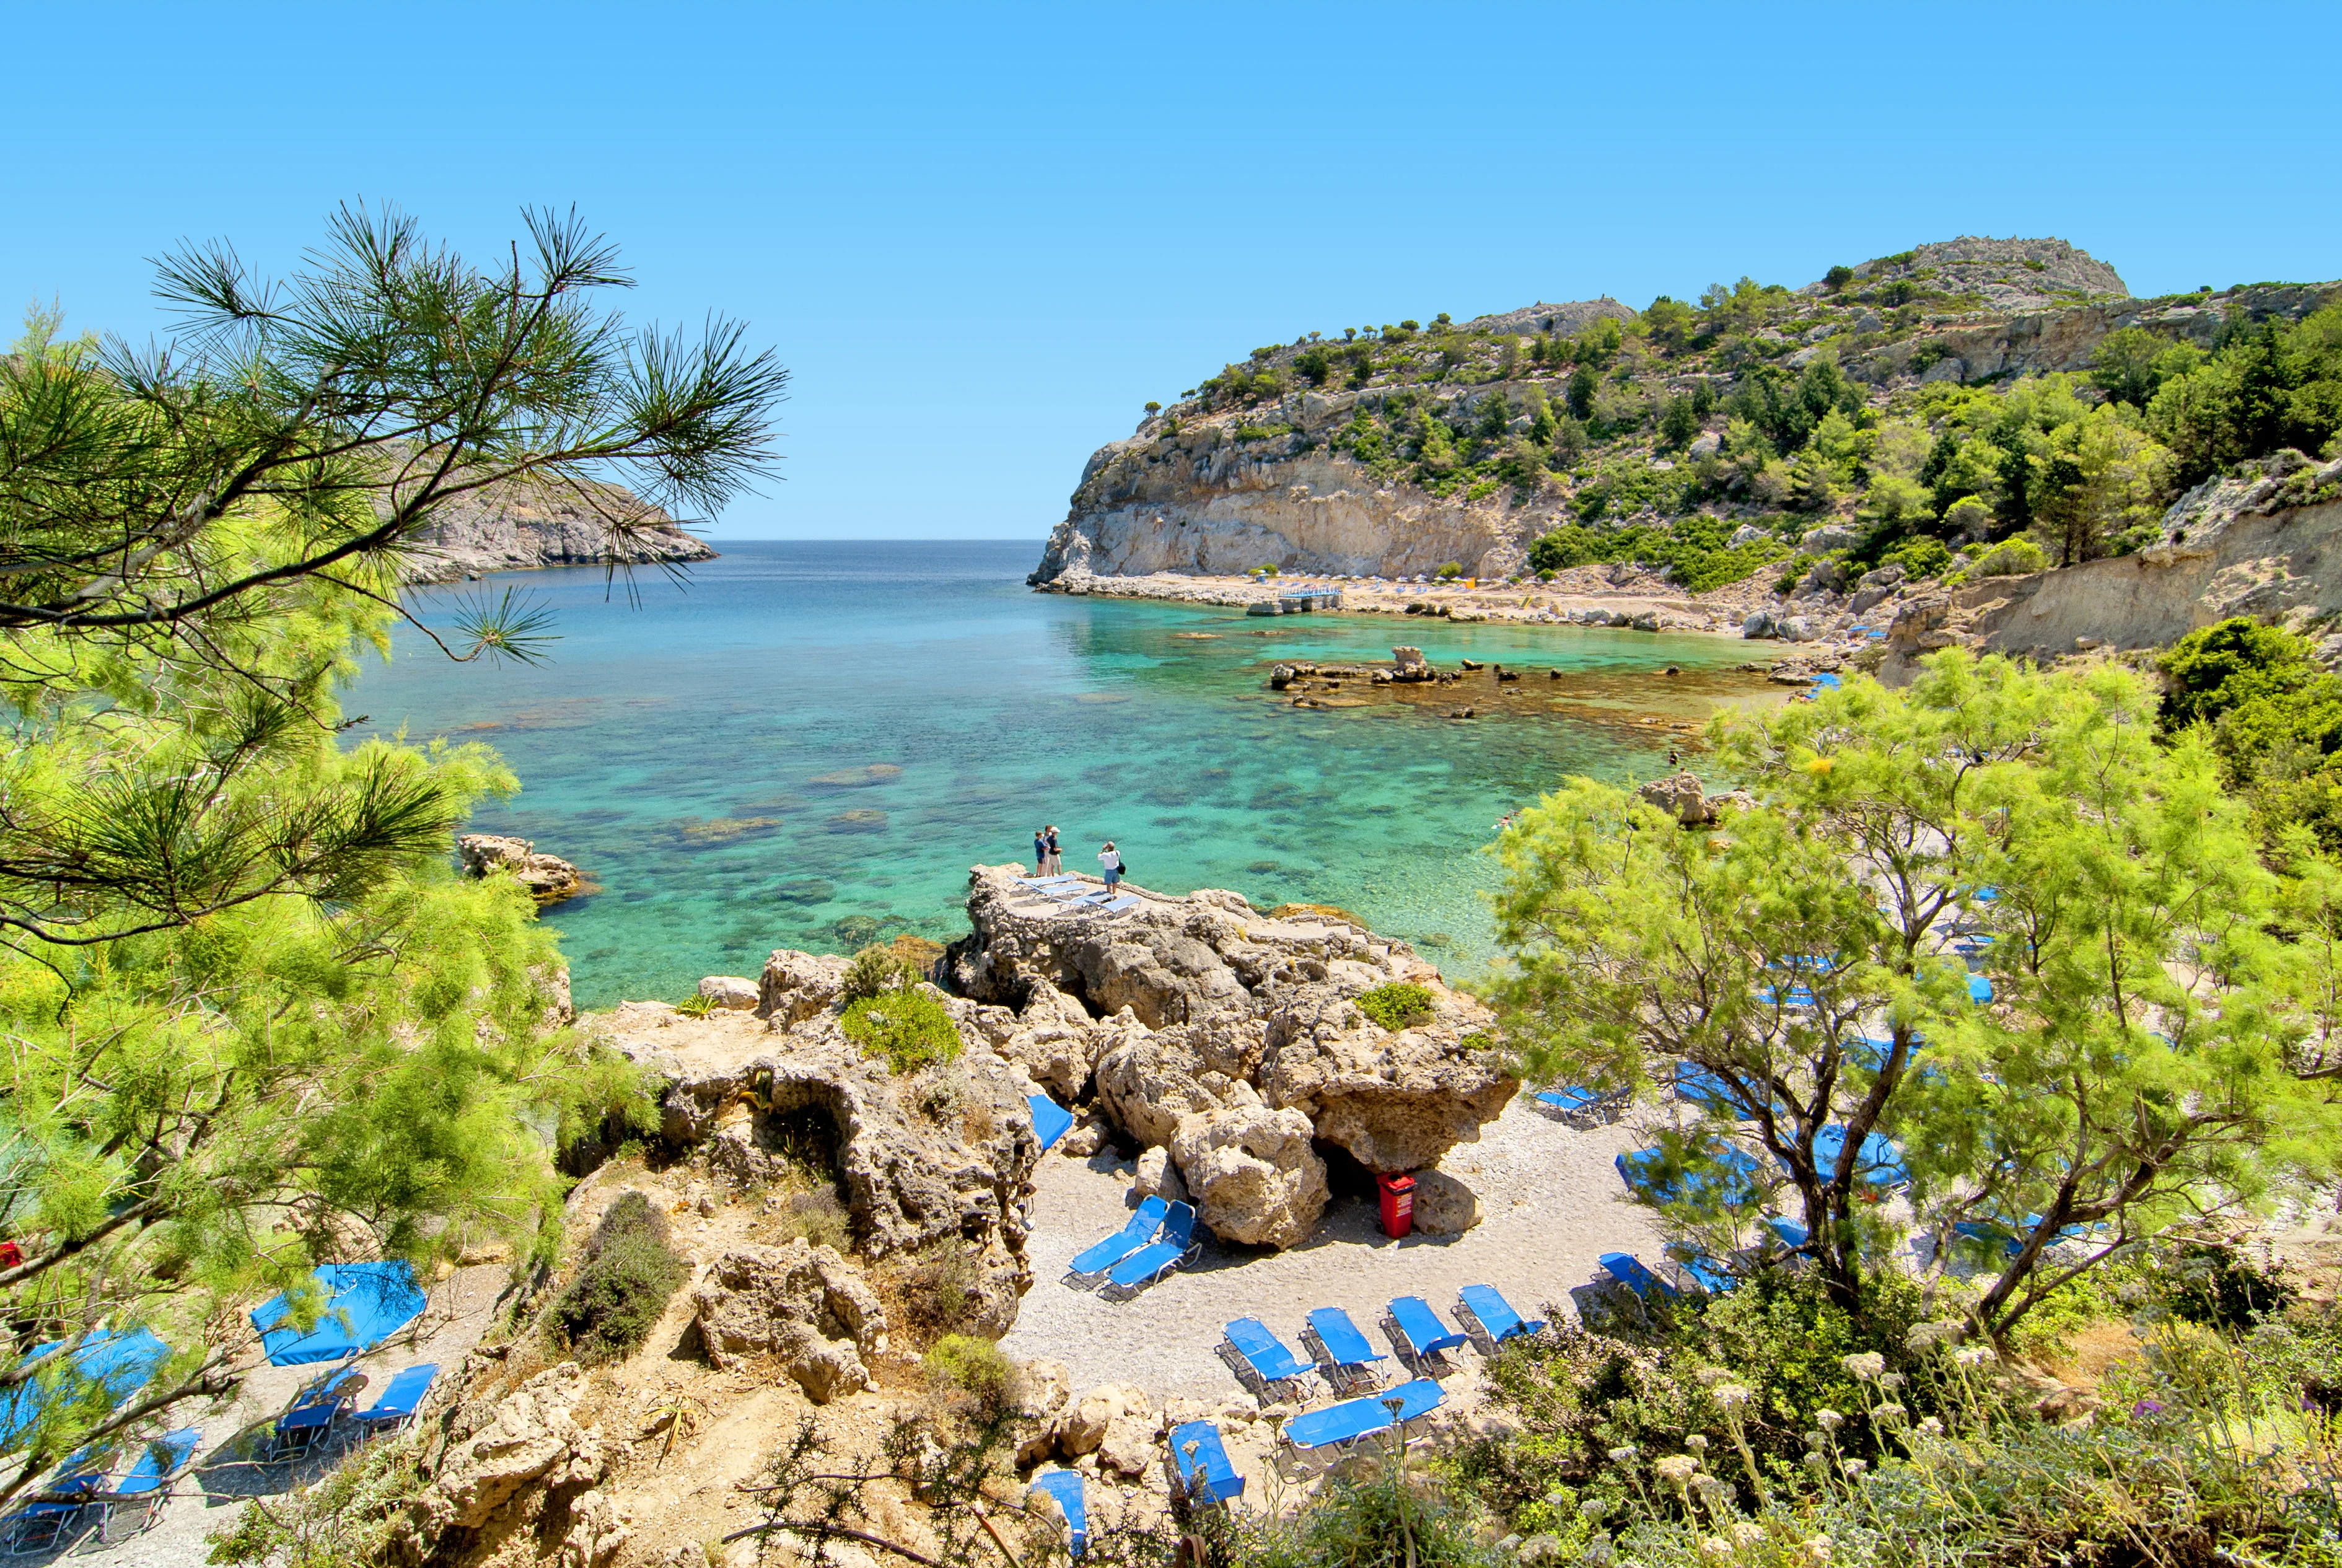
[630, 1273]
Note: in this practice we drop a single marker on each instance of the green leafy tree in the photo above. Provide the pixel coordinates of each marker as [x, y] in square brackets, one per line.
[2098, 487]
[254, 1020]
[2134, 1062]
[1579, 395]
[2132, 364]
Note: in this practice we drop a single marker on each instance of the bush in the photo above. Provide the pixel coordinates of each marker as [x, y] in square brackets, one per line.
[907, 1028]
[630, 1273]
[820, 1217]
[875, 971]
[1921, 557]
[974, 1367]
[938, 1294]
[1396, 1005]
[2011, 558]
[1449, 572]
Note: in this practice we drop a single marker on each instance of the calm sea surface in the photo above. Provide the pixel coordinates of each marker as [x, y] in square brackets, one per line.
[810, 744]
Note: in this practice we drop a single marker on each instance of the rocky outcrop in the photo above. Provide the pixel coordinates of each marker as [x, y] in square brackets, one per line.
[756, 1098]
[547, 878]
[1231, 1038]
[1685, 798]
[523, 1449]
[517, 525]
[2267, 545]
[803, 1304]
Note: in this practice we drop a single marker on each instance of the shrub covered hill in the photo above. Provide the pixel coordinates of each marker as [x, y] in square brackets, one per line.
[1925, 408]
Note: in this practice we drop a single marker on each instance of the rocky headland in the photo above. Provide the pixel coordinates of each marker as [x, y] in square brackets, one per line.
[517, 526]
[1371, 462]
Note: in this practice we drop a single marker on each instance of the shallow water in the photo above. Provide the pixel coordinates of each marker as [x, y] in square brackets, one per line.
[810, 744]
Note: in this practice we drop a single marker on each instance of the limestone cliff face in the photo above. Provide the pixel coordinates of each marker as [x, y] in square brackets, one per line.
[1191, 493]
[514, 527]
[2269, 546]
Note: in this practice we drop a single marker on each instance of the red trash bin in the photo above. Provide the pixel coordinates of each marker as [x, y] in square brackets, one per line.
[1398, 1204]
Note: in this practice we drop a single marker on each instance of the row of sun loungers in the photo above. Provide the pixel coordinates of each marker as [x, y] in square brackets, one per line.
[1345, 1357]
[1075, 893]
[84, 1481]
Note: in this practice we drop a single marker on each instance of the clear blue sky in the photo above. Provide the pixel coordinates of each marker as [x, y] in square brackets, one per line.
[982, 237]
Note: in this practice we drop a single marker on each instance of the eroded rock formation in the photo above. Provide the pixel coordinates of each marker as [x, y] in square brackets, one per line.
[517, 525]
[1230, 1038]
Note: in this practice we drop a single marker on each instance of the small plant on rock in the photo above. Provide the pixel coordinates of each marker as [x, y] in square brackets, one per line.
[696, 1006]
[875, 971]
[976, 1367]
[1396, 1005]
[909, 1029]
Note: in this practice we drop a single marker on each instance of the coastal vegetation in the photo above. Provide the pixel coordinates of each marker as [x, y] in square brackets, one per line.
[1652, 429]
[255, 1020]
[630, 1274]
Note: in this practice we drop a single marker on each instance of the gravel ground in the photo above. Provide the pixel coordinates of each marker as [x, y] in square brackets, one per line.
[1552, 1204]
[204, 1498]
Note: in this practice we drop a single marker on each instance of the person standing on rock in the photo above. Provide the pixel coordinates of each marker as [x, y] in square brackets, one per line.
[1110, 858]
[1040, 853]
[1056, 857]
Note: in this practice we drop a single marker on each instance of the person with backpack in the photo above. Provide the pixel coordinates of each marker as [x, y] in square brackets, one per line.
[1111, 858]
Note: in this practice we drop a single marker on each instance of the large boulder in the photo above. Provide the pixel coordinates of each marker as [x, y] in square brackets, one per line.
[1088, 1419]
[1252, 1174]
[1395, 1102]
[797, 986]
[803, 1304]
[489, 1449]
[1444, 1206]
[1680, 795]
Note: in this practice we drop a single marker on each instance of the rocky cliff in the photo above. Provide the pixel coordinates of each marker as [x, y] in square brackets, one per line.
[514, 527]
[1391, 453]
[2267, 543]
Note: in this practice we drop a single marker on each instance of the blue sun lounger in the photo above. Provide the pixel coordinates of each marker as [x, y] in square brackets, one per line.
[1420, 1327]
[1485, 1306]
[401, 1398]
[1349, 1358]
[37, 1526]
[1152, 1262]
[1628, 1271]
[1058, 881]
[1064, 1487]
[1265, 1352]
[1711, 1277]
[1355, 1418]
[1575, 1100]
[1135, 1233]
[312, 1412]
[1979, 988]
[1202, 1465]
[139, 1495]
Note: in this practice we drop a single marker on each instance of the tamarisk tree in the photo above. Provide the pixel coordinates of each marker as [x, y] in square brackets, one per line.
[2132, 1068]
[251, 1020]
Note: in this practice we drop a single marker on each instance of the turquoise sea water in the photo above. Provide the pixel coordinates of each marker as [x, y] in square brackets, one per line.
[809, 746]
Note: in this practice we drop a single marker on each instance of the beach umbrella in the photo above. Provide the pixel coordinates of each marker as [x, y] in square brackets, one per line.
[119, 1363]
[366, 1305]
